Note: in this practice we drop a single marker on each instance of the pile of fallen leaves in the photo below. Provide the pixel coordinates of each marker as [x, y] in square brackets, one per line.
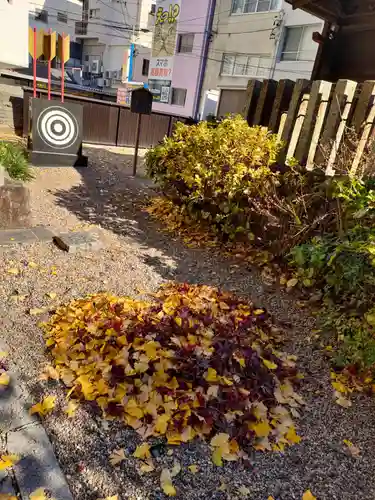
[195, 233]
[192, 361]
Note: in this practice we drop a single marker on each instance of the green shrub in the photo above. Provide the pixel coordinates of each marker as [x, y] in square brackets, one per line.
[14, 159]
[343, 267]
[226, 176]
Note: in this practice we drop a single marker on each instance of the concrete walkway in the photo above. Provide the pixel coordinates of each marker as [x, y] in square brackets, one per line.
[24, 435]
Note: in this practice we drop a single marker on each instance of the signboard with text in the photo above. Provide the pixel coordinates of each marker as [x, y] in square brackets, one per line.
[167, 14]
[160, 90]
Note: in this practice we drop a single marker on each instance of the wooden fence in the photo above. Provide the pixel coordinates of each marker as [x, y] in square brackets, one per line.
[311, 118]
[109, 123]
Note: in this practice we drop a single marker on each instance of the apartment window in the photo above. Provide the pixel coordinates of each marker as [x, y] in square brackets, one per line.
[62, 17]
[178, 96]
[94, 13]
[145, 67]
[298, 44]
[185, 43]
[42, 16]
[251, 6]
[245, 65]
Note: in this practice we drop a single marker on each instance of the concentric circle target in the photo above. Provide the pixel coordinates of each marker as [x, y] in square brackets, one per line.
[57, 127]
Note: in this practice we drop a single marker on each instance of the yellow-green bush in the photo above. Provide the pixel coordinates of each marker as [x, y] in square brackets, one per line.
[226, 177]
[216, 170]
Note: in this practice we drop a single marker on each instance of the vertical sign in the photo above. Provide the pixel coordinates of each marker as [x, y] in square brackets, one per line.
[167, 15]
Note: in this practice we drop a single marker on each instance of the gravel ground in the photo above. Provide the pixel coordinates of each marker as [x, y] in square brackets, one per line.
[139, 257]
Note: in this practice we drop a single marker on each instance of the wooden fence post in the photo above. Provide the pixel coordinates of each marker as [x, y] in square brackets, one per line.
[362, 108]
[265, 102]
[300, 88]
[325, 89]
[297, 127]
[366, 128]
[281, 103]
[252, 95]
[338, 113]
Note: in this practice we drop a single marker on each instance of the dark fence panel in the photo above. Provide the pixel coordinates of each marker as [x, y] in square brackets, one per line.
[110, 123]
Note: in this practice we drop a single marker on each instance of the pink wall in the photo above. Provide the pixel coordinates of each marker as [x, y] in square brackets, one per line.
[186, 67]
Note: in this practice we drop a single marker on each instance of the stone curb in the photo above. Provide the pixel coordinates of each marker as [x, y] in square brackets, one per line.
[25, 436]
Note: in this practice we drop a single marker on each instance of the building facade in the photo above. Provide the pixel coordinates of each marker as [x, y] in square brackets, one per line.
[14, 43]
[116, 39]
[60, 16]
[260, 39]
[193, 31]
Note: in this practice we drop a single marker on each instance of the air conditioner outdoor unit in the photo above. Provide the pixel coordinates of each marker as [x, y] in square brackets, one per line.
[95, 67]
[107, 74]
[107, 82]
[114, 74]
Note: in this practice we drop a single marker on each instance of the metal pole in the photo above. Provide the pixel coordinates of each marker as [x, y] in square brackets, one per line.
[49, 66]
[62, 68]
[138, 133]
[34, 63]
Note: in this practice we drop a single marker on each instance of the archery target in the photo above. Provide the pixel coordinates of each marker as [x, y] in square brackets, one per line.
[57, 127]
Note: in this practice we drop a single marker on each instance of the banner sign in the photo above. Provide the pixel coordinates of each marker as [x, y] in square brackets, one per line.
[167, 14]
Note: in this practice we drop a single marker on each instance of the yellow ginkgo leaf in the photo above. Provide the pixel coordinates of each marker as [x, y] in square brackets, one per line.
[161, 423]
[39, 494]
[36, 311]
[3, 354]
[269, 364]
[113, 497]
[193, 468]
[49, 372]
[308, 496]
[292, 436]
[261, 429]
[7, 461]
[220, 440]
[292, 282]
[7, 496]
[4, 378]
[142, 451]
[166, 483]
[223, 486]
[211, 375]
[51, 295]
[217, 457]
[243, 491]
[13, 270]
[33, 265]
[176, 469]
[44, 407]
[257, 312]
[147, 465]
[117, 456]
[71, 408]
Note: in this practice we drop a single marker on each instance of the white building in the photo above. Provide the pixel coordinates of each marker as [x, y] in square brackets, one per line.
[107, 31]
[61, 17]
[14, 43]
[262, 39]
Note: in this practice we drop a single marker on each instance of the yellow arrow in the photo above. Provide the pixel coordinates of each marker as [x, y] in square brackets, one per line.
[39, 43]
[66, 44]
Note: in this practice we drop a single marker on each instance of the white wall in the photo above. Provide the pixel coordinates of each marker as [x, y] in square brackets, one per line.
[14, 34]
[296, 69]
[129, 18]
[238, 33]
[73, 9]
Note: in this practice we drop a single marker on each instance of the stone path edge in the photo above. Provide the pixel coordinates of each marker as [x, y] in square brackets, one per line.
[26, 437]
